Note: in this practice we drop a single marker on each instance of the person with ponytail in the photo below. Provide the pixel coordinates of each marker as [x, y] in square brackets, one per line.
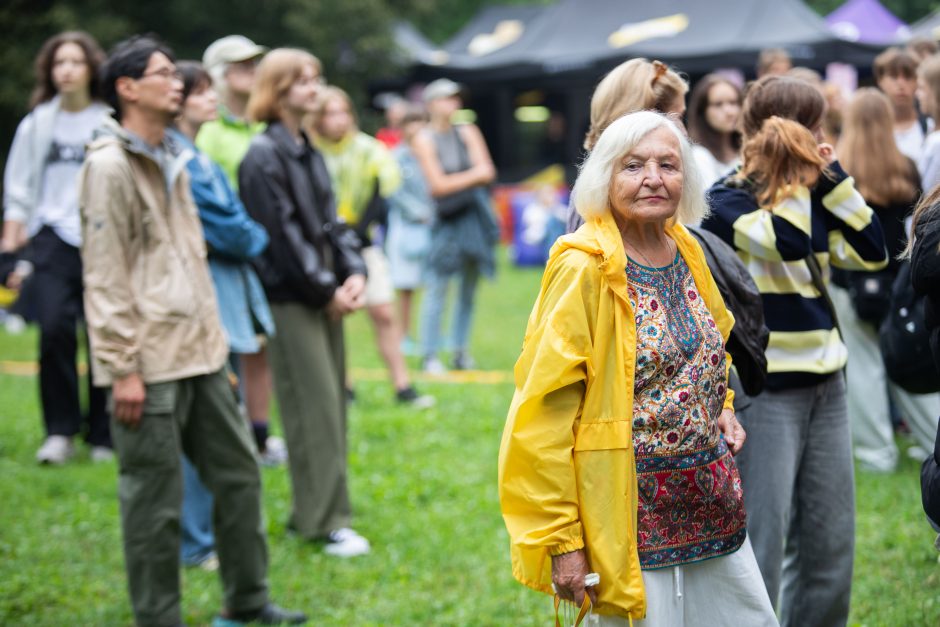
[634, 85]
[791, 211]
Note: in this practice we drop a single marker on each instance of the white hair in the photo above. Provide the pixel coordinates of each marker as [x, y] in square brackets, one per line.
[591, 194]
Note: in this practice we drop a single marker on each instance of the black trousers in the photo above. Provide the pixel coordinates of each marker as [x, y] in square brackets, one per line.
[57, 290]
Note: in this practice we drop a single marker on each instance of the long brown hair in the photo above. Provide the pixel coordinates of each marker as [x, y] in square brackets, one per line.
[634, 85]
[782, 96]
[45, 89]
[700, 130]
[883, 175]
[782, 154]
[273, 78]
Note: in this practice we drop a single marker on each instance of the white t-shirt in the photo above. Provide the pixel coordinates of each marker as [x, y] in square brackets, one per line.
[911, 141]
[929, 164]
[58, 194]
[711, 168]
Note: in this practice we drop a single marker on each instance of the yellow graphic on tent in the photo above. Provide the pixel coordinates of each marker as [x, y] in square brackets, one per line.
[506, 32]
[668, 26]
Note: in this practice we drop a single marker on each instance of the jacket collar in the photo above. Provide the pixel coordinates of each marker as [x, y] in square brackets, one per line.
[600, 236]
[283, 139]
[178, 154]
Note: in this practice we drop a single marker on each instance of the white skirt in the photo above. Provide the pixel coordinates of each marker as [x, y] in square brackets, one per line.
[722, 591]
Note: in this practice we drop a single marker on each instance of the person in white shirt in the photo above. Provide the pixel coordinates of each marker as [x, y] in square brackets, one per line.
[714, 110]
[40, 201]
[895, 73]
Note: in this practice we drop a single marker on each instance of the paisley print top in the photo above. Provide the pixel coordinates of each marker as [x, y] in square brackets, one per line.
[690, 500]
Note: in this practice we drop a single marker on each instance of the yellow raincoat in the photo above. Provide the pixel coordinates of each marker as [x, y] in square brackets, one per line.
[567, 475]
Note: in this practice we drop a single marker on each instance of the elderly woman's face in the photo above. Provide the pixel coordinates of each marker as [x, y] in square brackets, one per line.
[646, 185]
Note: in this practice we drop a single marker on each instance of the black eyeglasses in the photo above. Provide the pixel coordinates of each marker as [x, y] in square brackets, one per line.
[165, 73]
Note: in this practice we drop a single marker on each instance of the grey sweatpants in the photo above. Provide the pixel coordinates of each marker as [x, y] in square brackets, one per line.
[868, 389]
[799, 493]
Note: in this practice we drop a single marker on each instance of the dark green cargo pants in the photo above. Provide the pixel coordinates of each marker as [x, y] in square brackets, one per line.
[200, 416]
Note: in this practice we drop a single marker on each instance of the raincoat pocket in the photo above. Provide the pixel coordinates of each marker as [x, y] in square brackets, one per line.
[600, 436]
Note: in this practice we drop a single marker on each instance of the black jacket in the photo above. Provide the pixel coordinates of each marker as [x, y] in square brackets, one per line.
[285, 187]
[749, 336]
[925, 272]
[925, 276]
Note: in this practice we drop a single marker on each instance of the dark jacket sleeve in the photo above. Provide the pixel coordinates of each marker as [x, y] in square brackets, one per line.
[290, 260]
[930, 482]
[856, 239]
[229, 230]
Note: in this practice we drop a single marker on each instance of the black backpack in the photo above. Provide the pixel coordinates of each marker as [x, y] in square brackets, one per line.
[905, 338]
[749, 336]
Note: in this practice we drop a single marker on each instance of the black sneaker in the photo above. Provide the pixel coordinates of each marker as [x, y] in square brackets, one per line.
[269, 614]
[410, 396]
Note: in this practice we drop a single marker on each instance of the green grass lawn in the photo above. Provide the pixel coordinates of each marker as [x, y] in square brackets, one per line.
[424, 490]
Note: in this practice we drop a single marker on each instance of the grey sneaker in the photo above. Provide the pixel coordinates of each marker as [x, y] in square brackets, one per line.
[57, 449]
[463, 361]
[433, 366]
[101, 454]
[275, 451]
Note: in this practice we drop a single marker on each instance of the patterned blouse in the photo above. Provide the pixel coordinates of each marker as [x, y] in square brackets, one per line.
[691, 505]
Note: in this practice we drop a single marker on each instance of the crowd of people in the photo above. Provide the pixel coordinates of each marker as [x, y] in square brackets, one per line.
[639, 477]
[214, 222]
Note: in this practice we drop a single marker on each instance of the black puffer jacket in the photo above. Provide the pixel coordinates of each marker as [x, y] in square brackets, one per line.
[285, 187]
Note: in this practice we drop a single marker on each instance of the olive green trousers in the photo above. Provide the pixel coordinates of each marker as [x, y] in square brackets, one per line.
[198, 416]
[308, 364]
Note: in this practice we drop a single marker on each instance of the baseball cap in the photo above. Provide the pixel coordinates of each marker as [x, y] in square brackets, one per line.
[440, 88]
[231, 49]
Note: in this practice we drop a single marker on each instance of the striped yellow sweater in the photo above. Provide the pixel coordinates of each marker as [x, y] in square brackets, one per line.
[834, 223]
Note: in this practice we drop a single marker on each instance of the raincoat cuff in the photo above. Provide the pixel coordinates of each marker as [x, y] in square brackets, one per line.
[567, 547]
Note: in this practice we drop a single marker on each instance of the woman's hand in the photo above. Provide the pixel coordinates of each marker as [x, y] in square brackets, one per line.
[732, 430]
[568, 572]
[348, 297]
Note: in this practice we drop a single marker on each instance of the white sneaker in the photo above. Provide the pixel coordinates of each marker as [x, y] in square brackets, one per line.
[918, 453]
[275, 451]
[101, 454]
[346, 543]
[433, 366]
[57, 449]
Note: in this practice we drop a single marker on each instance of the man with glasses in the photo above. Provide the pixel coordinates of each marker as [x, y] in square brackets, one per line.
[158, 345]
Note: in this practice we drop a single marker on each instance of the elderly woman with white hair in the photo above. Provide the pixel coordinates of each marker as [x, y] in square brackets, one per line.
[617, 453]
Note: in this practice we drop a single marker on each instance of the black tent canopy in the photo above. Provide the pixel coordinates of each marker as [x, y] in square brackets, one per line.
[562, 50]
[696, 36]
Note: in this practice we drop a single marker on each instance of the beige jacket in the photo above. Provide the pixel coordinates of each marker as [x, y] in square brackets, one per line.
[149, 301]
